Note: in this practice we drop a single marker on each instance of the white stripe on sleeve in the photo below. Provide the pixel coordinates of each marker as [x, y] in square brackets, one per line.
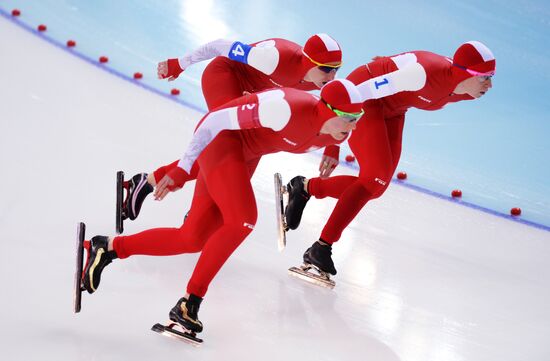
[206, 52]
[410, 76]
[210, 127]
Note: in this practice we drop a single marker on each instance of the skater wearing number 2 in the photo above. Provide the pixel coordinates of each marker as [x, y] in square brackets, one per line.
[227, 145]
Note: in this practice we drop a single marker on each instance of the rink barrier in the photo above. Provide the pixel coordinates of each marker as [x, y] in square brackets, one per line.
[15, 15]
[457, 200]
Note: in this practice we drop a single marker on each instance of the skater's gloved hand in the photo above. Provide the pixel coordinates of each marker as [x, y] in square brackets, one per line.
[329, 161]
[170, 69]
[171, 182]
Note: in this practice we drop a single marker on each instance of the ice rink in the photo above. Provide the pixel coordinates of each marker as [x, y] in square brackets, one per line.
[419, 278]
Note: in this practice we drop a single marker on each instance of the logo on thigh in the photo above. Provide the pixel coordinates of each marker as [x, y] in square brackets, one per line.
[380, 181]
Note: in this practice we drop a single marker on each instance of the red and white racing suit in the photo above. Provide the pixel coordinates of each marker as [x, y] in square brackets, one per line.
[389, 86]
[227, 145]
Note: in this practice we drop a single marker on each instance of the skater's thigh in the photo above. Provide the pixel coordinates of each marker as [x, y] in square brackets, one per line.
[204, 217]
[220, 84]
[371, 146]
[230, 188]
[395, 127]
[227, 177]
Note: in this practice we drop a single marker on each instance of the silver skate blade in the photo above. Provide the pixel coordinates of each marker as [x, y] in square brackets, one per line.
[303, 273]
[119, 221]
[77, 288]
[175, 330]
[279, 210]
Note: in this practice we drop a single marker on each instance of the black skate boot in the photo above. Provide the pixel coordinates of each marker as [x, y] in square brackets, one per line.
[319, 255]
[98, 258]
[186, 313]
[297, 200]
[137, 190]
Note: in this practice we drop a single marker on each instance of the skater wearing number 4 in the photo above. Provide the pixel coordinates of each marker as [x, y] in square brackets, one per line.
[237, 69]
[227, 145]
[389, 86]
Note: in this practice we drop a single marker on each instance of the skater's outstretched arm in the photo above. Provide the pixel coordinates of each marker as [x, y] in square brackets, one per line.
[410, 76]
[170, 69]
[271, 111]
[268, 110]
[263, 58]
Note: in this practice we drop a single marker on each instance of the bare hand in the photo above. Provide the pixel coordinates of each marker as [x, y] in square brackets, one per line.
[327, 166]
[165, 186]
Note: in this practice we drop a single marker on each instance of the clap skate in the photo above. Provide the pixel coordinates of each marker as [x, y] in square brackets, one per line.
[180, 326]
[282, 228]
[137, 189]
[317, 277]
[177, 331]
[87, 277]
[316, 258]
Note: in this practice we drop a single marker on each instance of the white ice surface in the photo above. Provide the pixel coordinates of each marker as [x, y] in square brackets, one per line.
[419, 278]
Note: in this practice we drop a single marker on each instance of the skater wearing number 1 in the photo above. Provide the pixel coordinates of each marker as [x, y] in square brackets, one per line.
[227, 145]
[389, 86]
[239, 69]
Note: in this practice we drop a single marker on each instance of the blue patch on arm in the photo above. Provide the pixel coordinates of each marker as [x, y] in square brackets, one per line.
[239, 52]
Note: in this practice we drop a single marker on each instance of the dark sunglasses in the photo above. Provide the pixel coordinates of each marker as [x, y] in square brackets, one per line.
[328, 69]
